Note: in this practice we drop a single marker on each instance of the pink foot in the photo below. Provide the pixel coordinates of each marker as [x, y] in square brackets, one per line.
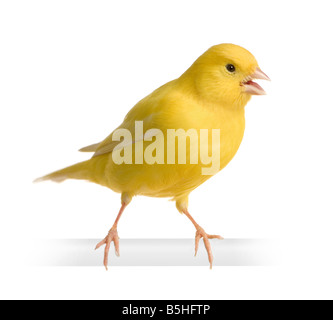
[112, 236]
[202, 234]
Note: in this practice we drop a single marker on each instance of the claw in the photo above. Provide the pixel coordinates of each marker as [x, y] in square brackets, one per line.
[197, 239]
[100, 244]
[202, 234]
[112, 236]
[116, 246]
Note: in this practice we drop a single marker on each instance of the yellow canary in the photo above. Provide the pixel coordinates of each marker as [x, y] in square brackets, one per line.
[207, 101]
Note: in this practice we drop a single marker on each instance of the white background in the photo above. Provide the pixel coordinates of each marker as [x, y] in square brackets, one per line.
[70, 71]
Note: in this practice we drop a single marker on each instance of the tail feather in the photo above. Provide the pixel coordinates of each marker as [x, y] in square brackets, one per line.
[81, 171]
[91, 148]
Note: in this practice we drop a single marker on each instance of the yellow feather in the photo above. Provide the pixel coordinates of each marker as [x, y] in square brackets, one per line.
[206, 96]
[91, 148]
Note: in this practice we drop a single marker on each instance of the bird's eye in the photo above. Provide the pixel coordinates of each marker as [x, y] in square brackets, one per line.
[230, 67]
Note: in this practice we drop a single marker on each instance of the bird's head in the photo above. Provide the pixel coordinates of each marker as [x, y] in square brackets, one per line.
[224, 74]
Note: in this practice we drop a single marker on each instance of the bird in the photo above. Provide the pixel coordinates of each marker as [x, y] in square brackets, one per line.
[210, 95]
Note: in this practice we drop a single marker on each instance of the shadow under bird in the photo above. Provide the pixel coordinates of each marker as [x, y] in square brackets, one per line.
[211, 94]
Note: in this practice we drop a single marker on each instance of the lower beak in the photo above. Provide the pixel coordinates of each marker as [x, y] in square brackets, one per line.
[252, 87]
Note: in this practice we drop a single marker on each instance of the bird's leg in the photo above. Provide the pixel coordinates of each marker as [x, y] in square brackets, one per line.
[202, 234]
[112, 236]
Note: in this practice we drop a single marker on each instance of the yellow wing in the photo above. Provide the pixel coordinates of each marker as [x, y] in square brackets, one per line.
[149, 110]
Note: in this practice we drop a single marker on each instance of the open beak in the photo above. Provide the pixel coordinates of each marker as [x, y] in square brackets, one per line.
[252, 87]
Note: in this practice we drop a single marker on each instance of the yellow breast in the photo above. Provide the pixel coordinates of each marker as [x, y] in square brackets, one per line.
[178, 180]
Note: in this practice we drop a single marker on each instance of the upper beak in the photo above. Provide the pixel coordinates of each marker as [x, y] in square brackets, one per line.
[259, 74]
[252, 87]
